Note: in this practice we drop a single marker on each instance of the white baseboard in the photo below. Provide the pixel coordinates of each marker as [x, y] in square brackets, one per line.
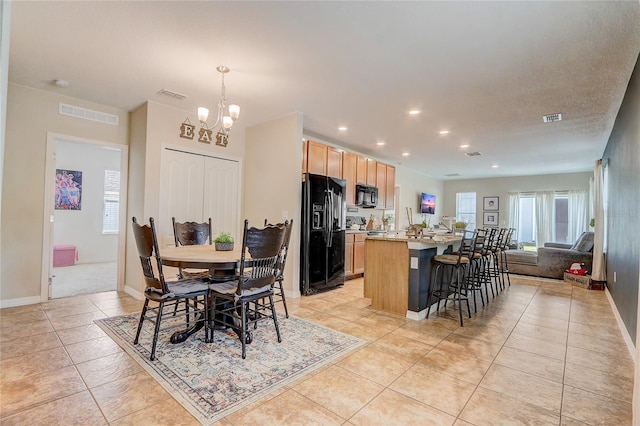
[623, 328]
[21, 301]
[133, 293]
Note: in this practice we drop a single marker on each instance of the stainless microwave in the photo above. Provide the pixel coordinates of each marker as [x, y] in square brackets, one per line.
[366, 196]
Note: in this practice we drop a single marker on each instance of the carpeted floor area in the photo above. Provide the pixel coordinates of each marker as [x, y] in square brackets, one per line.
[84, 278]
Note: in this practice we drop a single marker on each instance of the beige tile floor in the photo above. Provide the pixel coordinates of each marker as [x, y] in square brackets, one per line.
[541, 352]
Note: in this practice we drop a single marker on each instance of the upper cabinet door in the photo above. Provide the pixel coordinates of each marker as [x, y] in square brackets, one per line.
[316, 158]
[371, 172]
[381, 184]
[334, 162]
[361, 170]
[349, 174]
[391, 187]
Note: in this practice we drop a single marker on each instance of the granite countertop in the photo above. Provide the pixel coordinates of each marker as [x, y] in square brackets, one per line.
[442, 239]
[355, 231]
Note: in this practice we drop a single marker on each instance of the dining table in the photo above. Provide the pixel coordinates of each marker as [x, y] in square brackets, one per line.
[221, 264]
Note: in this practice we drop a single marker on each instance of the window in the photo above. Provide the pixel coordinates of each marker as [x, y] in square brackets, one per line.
[466, 208]
[569, 207]
[562, 219]
[111, 210]
[527, 219]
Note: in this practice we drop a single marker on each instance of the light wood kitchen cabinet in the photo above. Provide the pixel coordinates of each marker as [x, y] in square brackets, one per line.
[349, 160]
[381, 184]
[321, 159]
[354, 254]
[361, 170]
[348, 255]
[358, 253]
[371, 172]
[334, 162]
[390, 190]
[316, 158]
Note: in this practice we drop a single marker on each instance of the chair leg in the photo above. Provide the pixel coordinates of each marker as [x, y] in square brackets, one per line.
[275, 317]
[284, 300]
[156, 331]
[142, 314]
[243, 328]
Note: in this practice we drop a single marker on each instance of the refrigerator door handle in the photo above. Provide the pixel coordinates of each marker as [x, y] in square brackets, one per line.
[330, 242]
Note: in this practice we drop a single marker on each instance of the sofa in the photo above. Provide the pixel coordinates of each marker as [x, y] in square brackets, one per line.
[551, 260]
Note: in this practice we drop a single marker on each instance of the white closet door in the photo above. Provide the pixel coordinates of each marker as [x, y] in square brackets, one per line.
[221, 195]
[181, 195]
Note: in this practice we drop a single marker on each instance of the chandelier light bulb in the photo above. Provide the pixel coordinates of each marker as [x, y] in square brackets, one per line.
[234, 111]
[227, 122]
[203, 114]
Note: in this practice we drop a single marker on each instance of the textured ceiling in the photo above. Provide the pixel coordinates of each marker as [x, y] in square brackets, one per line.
[488, 71]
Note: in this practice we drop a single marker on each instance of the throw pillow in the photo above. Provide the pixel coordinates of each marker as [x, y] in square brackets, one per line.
[584, 243]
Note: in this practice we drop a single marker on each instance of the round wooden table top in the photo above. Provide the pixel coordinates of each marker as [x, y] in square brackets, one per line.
[198, 256]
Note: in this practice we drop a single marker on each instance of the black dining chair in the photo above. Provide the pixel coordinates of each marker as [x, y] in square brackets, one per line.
[248, 299]
[165, 293]
[191, 234]
[278, 291]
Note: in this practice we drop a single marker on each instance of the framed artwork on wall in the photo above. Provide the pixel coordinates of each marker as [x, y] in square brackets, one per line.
[490, 219]
[491, 203]
[68, 190]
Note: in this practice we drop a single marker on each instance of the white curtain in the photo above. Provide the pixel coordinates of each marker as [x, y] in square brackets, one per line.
[578, 219]
[545, 212]
[598, 273]
[514, 213]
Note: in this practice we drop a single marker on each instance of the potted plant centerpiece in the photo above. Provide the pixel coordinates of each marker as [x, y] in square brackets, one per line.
[224, 242]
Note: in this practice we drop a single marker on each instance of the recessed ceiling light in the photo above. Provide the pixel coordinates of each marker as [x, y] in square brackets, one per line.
[495, 166]
[342, 128]
[406, 154]
[414, 112]
[444, 132]
[466, 145]
[380, 143]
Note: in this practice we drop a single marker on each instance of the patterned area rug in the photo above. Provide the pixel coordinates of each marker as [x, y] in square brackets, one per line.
[211, 380]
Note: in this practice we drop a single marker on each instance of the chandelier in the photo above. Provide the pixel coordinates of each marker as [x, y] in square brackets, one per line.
[225, 117]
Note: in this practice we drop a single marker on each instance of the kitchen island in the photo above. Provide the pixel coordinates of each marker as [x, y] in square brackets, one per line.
[398, 271]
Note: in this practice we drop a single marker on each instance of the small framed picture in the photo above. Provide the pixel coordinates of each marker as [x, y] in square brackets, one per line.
[490, 219]
[491, 203]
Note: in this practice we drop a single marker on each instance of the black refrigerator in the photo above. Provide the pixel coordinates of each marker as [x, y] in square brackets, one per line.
[324, 210]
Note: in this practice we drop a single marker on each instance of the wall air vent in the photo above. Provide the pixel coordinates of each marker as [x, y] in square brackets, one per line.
[87, 114]
[551, 118]
[473, 154]
[171, 94]
[452, 174]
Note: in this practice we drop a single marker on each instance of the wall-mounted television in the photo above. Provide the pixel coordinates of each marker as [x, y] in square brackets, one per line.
[428, 203]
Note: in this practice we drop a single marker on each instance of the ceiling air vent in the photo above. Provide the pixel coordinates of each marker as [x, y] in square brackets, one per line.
[451, 174]
[87, 114]
[172, 94]
[551, 118]
[473, 154]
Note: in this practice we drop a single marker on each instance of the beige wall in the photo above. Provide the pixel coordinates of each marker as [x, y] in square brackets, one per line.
[272, 185]
[30, 115]
[500, 187]
[412, 184]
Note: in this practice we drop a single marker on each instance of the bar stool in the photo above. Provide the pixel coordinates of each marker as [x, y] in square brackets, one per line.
[503, 264]
[458, 267]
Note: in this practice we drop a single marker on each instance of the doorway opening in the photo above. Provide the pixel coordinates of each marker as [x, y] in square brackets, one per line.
[83, 244]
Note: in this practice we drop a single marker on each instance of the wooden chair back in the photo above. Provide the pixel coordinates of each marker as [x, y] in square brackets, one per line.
[263, 246]
[147, 244]
[191, 233]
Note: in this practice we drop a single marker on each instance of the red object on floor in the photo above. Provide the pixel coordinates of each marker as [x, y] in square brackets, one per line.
[64, 256]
